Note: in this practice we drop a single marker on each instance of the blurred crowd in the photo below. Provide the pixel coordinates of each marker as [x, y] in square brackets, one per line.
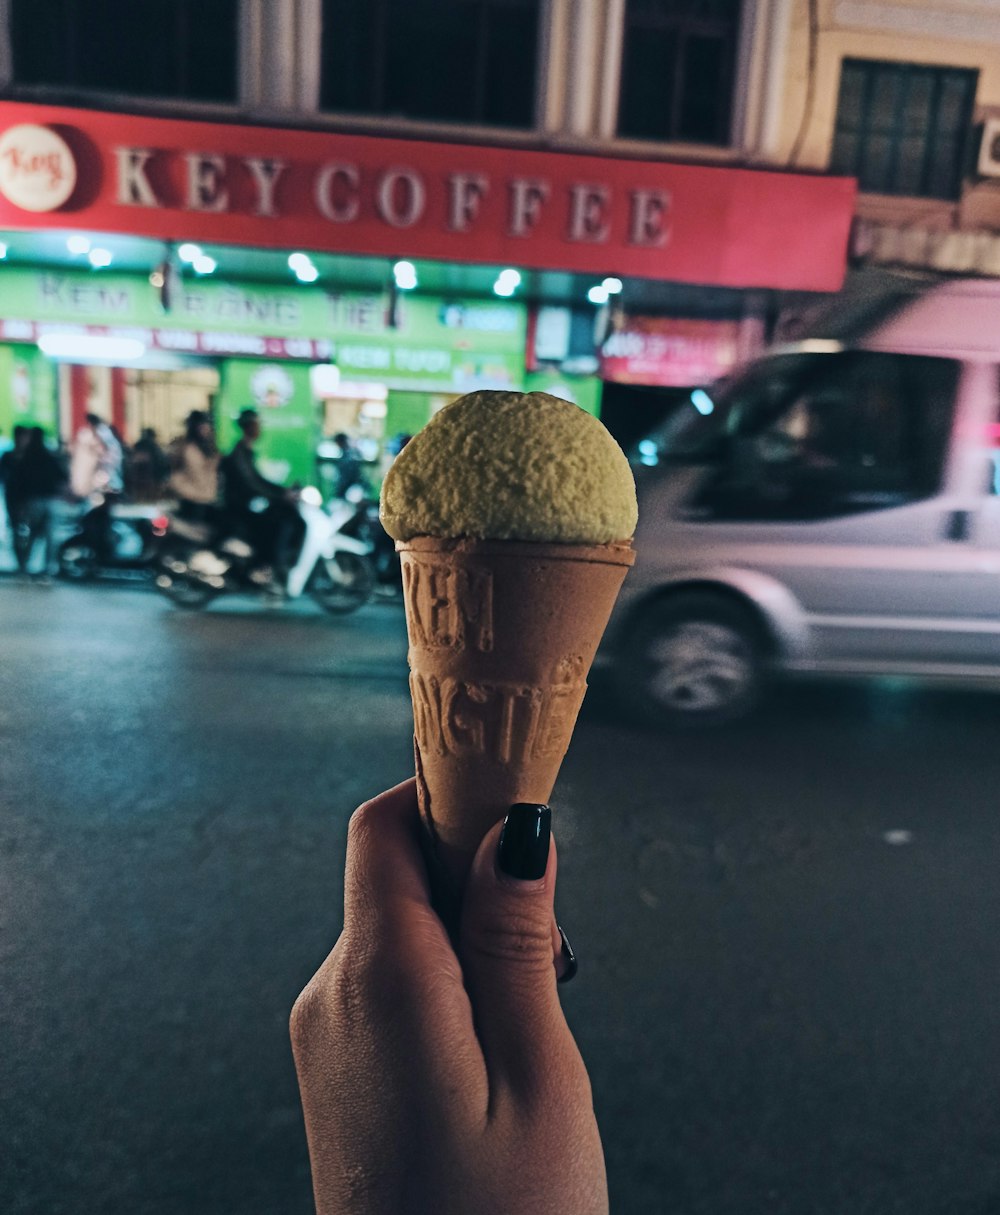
[208, 487]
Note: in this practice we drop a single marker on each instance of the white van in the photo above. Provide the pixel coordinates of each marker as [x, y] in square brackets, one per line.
[833, 508]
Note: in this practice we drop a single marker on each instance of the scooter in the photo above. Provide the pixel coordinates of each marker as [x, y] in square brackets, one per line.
[196, 565]
[113, 538]
[365, 525]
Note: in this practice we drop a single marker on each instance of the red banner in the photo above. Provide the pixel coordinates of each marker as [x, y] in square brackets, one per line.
[674, 352]
[181, 180]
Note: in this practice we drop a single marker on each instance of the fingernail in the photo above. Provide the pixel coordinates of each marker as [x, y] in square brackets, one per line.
[524, 842]
[570, 964]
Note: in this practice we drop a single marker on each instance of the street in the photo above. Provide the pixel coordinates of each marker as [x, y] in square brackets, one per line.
[787, 930]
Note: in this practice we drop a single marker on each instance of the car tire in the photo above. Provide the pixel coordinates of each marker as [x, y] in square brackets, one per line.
[692, 659]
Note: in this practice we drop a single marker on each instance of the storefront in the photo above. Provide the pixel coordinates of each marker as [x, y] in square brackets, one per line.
[105, 307]
[314, 363]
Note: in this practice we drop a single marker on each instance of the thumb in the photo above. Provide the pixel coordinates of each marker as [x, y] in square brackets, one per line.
[506, 952]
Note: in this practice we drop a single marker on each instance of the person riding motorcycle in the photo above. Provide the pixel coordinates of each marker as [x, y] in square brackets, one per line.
[276, 531]
[195, 479]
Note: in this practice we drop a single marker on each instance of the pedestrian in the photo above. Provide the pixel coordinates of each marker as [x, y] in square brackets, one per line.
[195, 479]
[38, 479]
[95, 475]
[9, 462]
[440, 1075]
[148, 467]
[276, 531]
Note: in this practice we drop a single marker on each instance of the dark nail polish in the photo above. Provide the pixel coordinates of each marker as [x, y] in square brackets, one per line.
[570, 964]
[524, 842]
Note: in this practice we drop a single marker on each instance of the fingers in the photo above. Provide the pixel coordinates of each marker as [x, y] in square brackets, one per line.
[393, 977]
[386, 887]
[507, 947]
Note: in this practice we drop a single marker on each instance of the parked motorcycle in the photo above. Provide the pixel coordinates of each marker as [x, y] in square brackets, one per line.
[196, 565]
[113, 538]
[365, 525]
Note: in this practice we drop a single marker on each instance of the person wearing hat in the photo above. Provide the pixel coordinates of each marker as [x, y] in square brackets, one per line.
[277, 530]
[195, 479]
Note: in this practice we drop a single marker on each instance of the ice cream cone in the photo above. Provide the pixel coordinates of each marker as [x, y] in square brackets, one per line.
[501, 637]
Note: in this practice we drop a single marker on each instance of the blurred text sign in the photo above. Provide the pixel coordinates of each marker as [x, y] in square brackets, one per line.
[672, 352]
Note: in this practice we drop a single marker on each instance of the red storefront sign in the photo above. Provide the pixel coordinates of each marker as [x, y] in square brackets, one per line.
[228, 184]
[674, 352]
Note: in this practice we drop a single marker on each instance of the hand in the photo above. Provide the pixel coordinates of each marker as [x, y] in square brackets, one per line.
[440, 1083]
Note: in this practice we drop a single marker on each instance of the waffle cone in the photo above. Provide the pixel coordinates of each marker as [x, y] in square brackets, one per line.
[501, 637]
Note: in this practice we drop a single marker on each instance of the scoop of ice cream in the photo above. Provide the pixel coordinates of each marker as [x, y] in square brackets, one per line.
[511, 466]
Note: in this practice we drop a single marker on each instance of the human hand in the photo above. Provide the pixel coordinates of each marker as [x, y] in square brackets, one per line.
[442, 1084]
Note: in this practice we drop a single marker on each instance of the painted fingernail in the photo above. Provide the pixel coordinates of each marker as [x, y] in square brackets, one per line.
[524, 842]
[569, 963]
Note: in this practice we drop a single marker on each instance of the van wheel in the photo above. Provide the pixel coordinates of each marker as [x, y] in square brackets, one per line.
[692, 659]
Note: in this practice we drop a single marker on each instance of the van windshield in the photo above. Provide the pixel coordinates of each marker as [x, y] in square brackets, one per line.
[799, 434]
[701, 431]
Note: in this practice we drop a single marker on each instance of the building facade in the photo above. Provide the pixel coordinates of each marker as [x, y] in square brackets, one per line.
[702, 153]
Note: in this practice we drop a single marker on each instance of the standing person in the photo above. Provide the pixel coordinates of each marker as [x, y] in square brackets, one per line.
[38, 479]
[277, 530]
[96, 467]
[195, 479]
[9, 463]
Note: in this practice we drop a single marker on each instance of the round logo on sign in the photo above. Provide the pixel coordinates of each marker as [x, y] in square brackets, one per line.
[37, 169]
[271, 387]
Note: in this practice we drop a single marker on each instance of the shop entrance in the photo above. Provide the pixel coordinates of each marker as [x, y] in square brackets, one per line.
[161, 400]
[133, 399]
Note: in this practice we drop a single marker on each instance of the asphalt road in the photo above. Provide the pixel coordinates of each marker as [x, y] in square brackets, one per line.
[789, 931]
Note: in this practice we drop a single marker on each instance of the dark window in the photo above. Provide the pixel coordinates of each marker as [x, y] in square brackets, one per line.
[817, 436]
[677, 69]
[445, 60]
[149, 48]
[902, 127]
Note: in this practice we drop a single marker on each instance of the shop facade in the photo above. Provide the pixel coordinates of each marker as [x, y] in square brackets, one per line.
[353, 348]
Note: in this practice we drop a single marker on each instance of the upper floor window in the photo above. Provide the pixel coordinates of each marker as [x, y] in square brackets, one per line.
[677, 70]
[902, 127]
[469, 61]
[149, 48]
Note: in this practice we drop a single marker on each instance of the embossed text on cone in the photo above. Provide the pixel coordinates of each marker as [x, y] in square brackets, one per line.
[501, 637]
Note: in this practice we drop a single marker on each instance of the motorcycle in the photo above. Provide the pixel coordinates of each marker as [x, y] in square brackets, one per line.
[197, 565]
[365, 525]
[113, 538]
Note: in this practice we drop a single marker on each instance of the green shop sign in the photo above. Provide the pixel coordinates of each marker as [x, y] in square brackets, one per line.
[436, 344]
[27, 390]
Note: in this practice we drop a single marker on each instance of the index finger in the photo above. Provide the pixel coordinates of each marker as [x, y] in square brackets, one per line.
[385, 873]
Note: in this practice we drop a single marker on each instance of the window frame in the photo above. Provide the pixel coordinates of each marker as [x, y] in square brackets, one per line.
[876, 71]
[11, 86]
[738, 69]
[361, 118]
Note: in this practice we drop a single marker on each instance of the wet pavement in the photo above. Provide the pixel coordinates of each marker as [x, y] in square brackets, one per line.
[789, 931]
